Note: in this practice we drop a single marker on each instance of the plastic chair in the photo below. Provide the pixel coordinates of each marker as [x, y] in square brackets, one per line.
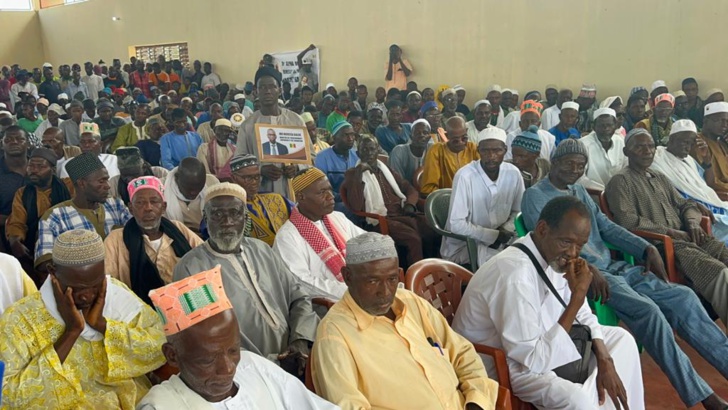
[441, 283]
[437, 208]
[673, 273]
[383, 226]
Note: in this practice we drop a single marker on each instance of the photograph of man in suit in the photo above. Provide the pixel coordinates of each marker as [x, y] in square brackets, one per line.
[272, 147]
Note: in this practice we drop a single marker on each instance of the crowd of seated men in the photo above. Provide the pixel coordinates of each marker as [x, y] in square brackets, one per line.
[153, 258]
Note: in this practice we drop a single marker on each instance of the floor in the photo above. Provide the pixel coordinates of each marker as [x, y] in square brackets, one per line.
[659, 393]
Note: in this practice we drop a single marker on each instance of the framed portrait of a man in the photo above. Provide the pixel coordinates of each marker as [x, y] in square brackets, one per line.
[283, 143]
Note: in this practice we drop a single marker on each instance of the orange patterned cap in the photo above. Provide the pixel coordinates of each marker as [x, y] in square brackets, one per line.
[190, 301]
[531, 106]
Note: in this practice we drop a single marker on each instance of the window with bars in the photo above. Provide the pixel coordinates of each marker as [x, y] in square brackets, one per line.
[172, 51]
[44, 4]
[16, 5]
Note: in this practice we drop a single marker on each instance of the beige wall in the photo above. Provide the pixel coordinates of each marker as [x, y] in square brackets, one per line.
[520, 44]
[20, 41]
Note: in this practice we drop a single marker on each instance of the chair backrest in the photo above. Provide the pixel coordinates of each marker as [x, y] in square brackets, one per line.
[604, 205]
[440, 282]
[521, 230]
[437, 208]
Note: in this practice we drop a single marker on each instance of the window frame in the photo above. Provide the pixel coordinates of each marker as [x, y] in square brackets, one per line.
[29, 2]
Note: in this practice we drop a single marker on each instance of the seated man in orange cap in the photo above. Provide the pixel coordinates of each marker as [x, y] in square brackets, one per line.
[203, 341]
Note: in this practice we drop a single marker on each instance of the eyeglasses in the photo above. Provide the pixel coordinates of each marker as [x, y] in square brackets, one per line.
[221, 214]
[249, 178]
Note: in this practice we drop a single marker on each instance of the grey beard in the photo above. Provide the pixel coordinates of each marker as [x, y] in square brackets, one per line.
[154, 227]
[556, 268]
[226, 244]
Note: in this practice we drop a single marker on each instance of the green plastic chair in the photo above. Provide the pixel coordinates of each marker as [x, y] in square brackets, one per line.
[437, 208]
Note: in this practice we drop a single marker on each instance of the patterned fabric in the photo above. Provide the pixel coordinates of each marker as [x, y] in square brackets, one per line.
[333, 256]
[243, 161]
[65, 217]
[78, 247]
[665, 97]
[83, 166]
[338, 126]
[146, 182]
[266, 215]
[531, 106]
[90, 128]
[104, 374]
[369, 246]
[224, 189]
[568, 147]
[190, 301]
[650, 203]
[304, 179]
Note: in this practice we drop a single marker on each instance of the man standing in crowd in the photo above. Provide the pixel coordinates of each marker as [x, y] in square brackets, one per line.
[276, 176]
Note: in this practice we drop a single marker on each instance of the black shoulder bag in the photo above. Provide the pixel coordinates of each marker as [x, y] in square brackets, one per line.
[578, 370]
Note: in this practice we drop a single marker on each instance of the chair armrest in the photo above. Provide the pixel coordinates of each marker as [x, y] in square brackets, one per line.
[383, 226]
[501, 366]
[670, 266]
[627, 257]
[706, 225]
[327, 303]
[504, 399]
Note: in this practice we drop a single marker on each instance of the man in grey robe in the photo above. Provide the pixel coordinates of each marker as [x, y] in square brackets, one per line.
[276, 176]
[274, 312]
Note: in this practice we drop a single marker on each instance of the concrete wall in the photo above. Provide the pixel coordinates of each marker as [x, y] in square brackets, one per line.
[21, 40]
[522, 44]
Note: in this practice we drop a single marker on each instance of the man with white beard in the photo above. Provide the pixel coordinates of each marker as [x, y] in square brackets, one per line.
[274, 313]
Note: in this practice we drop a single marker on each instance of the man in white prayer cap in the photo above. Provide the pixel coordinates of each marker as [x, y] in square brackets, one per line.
[486, 197]
[604, 148]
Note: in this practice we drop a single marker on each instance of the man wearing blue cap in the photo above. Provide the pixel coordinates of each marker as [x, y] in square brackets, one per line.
[341, 156]
[526, 149]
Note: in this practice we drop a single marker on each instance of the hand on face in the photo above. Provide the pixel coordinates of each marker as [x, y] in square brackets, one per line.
[95, 315]
[67, 307]
[578, 276]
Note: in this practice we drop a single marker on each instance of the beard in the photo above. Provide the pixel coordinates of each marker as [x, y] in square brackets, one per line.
[227, 241]
[557, 268]
[154, 226]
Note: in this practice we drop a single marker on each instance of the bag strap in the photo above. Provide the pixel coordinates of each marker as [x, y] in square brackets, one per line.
[540, 271]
